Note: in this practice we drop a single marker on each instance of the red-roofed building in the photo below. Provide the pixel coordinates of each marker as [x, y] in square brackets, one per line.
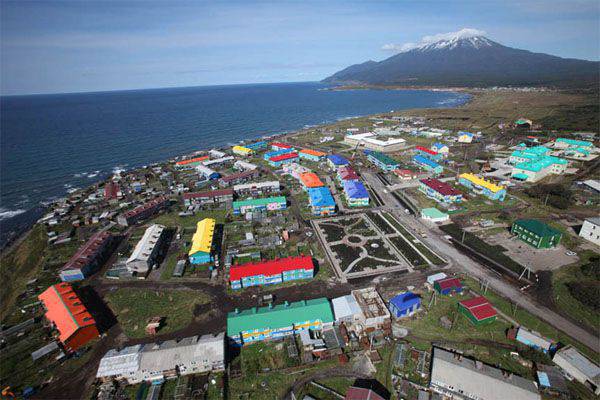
[440, 191]
[406, 174]
[478, 309]
[239, 177]
[271, 272]
[448, 286]
[88, 257]
[144, 211]
[280, 146]
[210, 197]
[283, 159]
[347, 173]
[425, 152]
[111, 191]
[358, 393]
[68, 316]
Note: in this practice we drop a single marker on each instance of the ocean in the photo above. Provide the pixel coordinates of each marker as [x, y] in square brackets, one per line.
[50, 144]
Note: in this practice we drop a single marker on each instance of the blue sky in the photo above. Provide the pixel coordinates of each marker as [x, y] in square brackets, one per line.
[49, 47]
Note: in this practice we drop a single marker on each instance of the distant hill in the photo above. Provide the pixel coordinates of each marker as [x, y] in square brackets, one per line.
[474, 61]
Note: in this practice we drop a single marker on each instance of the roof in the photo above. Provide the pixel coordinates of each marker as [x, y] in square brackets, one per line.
[479, 307]
[578, 361]
[310, 180]
[270, 267]
[358, 393]
[441, 187]
[594, 220]
[263, 201]
[208, 194]
[120, 362]
[461, 133]
[537, 227]
[405, 299]
[87, 252]
[282, 157]
[449, 283]
[382, 158]
[241, 149]
[355, 190]
[146, 244]
[279, 316]
[312, 152]
[65, 310]
[256, 145]
[192, 160]
[239, 175]
[281, 145]
[426, 150]
[426, 161]
[574, 142]
[203, 238]
[433, 213]
[320, 197]
[151, 204]
[345, 306]
[525, 335]
[346, 172]
[592, 183]
[481, 182]
[480, 380]
[336, 159]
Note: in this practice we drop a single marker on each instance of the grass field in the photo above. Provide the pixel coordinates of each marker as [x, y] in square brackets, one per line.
[133, 308]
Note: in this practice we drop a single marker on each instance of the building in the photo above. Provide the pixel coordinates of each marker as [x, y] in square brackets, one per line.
[346, 173]
[359, 393]
[271, 272]
[482, 186]
[144, 255]
[257, 188]
[532, 164]
[565, 143]
[346, 309]
[268, 204]
[155, 362]
[371, 141]
[65, 311]
[276, 322]
[310, 180]
[214, 153]
[210, 197]
[321, 201]
[435, 277]
[239, 177]
[536, 233]
[112, 191]
[448, 286]
[295, 169]
[464, 137]
[88, 258]
[287, 158]
[242, 165]
[440, 191]
[257, 145]
[441, 148]
[144, 211]
[578, 367]
[201, 248]
[590, 230]
[207, 173]
[458, 377]
[535, 340]
[427, 164]
[381, 160]
[374, 314]
[218, 161]
[281, 146]
[406, 174]
[334, 161]
[190, 163]
[404, 304]
[242, 151]
[434, 215]
[355, 193]
[523, 123]
[551, 380]
[478, 310]
[311, 155]
[428, 153]
[279, 152]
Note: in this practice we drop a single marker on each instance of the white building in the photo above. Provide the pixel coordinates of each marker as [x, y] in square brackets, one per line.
[157, 361]
[590, 230]
[218, 161]
[214, 153]
[244, 166]
[371, 141]
[206, 172]
[577, 366]
[346, 309]
[144, 254]
[458, 377]
[255, 188]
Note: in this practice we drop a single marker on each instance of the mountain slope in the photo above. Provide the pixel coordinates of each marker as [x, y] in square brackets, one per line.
[473, 61]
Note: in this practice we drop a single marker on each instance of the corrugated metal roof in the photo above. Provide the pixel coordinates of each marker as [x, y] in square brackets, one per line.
[355, 190]
[310, 180]
[313, 152]
[320, 197]
[537, 227]
[202, 239]
[441, 187]
[259, 202]
[481, 182]
[270, 267]
[282, 157]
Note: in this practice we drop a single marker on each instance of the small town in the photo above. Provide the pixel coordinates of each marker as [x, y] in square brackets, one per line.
[385, 257]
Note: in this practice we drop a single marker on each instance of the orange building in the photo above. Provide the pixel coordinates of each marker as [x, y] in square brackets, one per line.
[310, 180]
[191, 162]
[69, 316]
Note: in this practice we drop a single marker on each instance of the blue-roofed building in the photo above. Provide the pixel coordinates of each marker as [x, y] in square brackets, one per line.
[440, 148]
[404, 305]
[334, 161]
[321, 201]
[275, 153]
[355, 193]
[256, 145]
[427, 164]
[535, 340]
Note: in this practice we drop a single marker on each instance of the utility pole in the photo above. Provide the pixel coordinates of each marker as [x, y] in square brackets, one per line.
[546, 201]
[463, 236]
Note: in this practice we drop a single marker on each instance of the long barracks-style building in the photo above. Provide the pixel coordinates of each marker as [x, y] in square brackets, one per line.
[201, 249]
[267, 204]
[482, 186]
[88, 257]
[381, 160]
[440, 191]
[271, 272]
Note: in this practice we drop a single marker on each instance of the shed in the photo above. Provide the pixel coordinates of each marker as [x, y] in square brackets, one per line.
[478, 310]
[448, 286]
[404, 304]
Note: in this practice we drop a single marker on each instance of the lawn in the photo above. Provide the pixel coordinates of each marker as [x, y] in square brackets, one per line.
[133, 308]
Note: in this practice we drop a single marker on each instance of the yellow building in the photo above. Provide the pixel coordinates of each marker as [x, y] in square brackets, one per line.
[200, 252]
[242, 151]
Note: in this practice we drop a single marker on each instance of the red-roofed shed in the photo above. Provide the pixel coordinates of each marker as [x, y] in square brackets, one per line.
[448, 286]
[478, 309]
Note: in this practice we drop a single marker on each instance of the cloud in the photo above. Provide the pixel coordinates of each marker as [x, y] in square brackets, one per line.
[461, 34]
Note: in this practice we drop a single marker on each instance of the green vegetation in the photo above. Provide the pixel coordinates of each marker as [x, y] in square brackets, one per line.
[133, 308]
[554, 194]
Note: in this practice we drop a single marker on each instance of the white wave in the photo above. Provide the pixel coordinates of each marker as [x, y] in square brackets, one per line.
[93, 174]
[5, 213]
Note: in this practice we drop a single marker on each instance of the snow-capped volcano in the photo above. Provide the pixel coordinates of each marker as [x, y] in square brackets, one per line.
[468, 58]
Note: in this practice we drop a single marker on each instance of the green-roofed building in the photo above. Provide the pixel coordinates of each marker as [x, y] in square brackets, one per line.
[268, 203]
[566, 142]
[383, 161]
[532, 163]
[536, 233]
[272, 322]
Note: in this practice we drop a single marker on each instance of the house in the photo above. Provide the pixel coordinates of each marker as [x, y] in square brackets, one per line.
[346, 173]
[478, 310]
[458, 377]
[287, 158]
[67, 314]
[144, 211]
[207, 173]
[88, 257]
[536, 233]
[404, 304]
[578, 367]
[434, 215]
[427, 164]
[334, 161]
[441, 148]
[440, 191]
[381, 160]
[239, 177]
[355, 193]
[155, 362]
[464, 137]
[448, 286]
[210, 197]
[590, 230]
[311, 155]
[406, 174]
[280, 146]
[271, 272]
[483, 187]
[428, 153]
[257, 188]
[143, 256]
[268, 204]
[190, 163]
[242, 151]
[535, 340]
[241, 165]
[278, 321]
[435, 277]
[279, 152]
[321, 201]
[201, 249]
[310, 180]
